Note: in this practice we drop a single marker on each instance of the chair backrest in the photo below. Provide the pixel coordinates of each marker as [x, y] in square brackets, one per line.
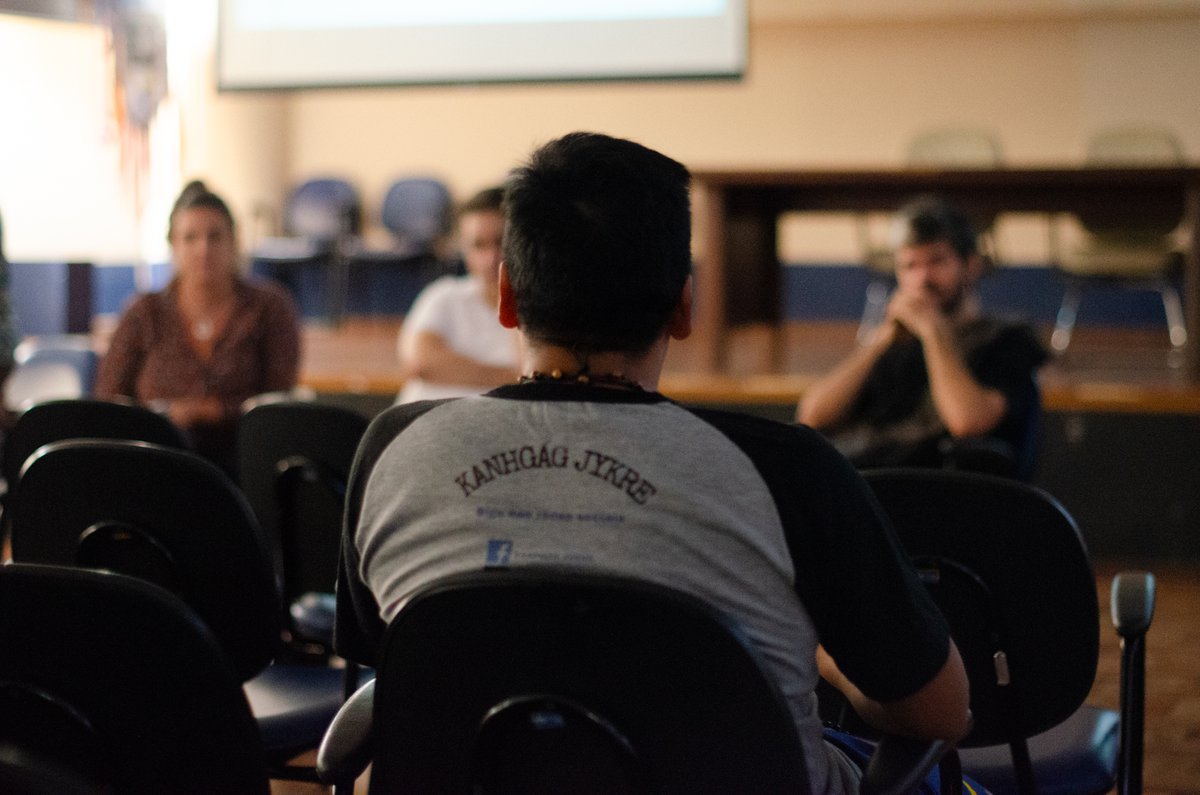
[418, 211]
[294, 460]
[961, 147]
[561, 673]
[161, 514]
[323, 209]
[1006, 565]
[1128, 146]
[108, 684]
[1133, 146]
[55, 420]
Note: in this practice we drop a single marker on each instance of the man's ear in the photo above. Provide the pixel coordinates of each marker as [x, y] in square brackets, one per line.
[679, 325]
[508, 301]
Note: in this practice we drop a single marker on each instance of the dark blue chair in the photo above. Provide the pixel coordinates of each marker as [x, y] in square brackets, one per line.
[172, 518]
[294, 460]
[321, 218]
[419, 213]
[1006, 564]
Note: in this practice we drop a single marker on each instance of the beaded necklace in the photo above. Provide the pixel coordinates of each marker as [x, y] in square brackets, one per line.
[616, 380]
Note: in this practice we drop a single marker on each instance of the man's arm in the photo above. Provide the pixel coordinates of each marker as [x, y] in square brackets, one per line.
[939, 710]
[828, 402]
[966, 407]
[425, 355]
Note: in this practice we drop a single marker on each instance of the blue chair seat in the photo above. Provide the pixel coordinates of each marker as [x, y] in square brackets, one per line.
[1076, 757]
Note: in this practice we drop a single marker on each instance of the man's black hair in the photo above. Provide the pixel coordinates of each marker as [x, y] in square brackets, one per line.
[486, 200]
[597, 243]
[930, 219]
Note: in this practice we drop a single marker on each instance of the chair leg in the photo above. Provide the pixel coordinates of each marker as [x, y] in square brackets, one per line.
[1064, 324]
[1174, 309]
[1133, 696]
[873, 310]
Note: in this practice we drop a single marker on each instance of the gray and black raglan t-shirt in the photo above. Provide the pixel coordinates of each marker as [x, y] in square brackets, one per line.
[764, 520]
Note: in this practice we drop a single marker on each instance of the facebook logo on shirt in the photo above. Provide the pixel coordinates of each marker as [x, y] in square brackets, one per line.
[499, 551]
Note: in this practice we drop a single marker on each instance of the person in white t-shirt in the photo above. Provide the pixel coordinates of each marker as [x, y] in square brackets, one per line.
[452, 343]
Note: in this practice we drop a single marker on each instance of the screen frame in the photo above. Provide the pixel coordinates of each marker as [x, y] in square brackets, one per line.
[290, 73]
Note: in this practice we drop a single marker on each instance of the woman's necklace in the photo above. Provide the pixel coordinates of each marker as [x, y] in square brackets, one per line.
[615, 380]
[202, 329]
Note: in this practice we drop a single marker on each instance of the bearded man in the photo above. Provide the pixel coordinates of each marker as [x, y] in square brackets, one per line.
[937, 368]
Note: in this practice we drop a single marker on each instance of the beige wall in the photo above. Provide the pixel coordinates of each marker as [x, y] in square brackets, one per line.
[830, 82]
[823, 88]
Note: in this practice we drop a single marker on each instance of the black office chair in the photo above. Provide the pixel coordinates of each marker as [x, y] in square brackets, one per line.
[294, 460]
[418, 212]
[1005, 563]
[321, 218]
[74, 418]
[171, 517]
[536, 681]
[111, 685]
[55, 420]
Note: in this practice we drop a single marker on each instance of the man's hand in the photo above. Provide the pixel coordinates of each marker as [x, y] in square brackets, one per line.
[920, 314]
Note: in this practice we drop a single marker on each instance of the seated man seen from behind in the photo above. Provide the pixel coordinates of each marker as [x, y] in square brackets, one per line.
[583, 461]
[936, 368]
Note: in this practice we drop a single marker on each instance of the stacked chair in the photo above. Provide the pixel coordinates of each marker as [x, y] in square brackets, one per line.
[168, 517]
[1131, 247]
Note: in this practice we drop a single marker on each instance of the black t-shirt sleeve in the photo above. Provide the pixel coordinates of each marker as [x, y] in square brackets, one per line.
[871, 612]
[358, 628]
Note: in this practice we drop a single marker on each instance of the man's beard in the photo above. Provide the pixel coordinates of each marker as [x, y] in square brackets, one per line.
[949, 305]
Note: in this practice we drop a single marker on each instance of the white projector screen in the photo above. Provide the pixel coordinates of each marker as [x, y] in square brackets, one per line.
[264, 44]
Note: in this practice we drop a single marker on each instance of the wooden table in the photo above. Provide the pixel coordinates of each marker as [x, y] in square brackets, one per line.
[737, 214]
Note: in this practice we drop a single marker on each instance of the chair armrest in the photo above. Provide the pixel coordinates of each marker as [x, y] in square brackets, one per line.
[1132, 603]
[900, 764]
[345, 751]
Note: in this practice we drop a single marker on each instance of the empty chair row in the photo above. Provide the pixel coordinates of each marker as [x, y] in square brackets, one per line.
[322, 228]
